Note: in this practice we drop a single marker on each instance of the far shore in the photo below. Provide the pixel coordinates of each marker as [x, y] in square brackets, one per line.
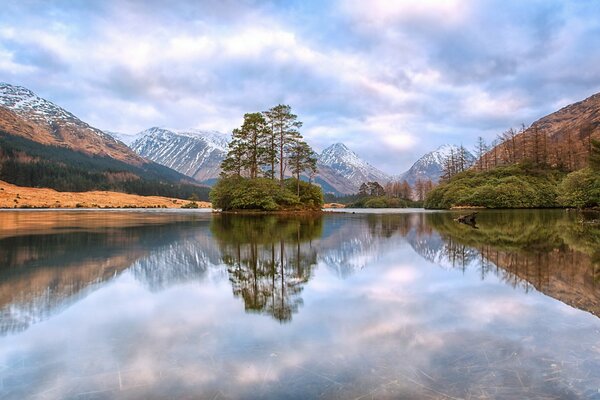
[19, 197]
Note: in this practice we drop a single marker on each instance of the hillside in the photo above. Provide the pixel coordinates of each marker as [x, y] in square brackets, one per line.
[545, 165]
[560, 139]
[24, 114]
[43, 145]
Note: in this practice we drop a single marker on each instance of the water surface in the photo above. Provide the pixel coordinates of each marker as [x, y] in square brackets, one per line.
[397, 305]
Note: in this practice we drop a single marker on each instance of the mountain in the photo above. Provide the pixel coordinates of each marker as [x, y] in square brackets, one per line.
[44, 122]
[560, 139]
[198, 154]
[430, 166]
[344, 170]
[195, 153]
[43, 145]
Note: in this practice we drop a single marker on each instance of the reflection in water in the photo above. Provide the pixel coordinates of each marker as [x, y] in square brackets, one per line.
[551, 251]
[136, 305]
[269, 259]
[52, 265]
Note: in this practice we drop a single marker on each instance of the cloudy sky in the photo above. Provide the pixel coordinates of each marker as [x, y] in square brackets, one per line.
[391, 79]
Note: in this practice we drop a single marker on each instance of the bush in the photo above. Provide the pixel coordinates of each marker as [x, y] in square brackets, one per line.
[237, 193]
[580, 189]
[311, 196]
[383, 202]
[515, 186]
[191, 204]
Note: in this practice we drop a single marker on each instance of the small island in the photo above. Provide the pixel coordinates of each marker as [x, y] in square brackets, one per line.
[266, 167]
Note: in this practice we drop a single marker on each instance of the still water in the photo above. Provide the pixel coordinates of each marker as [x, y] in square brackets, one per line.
[99, 305]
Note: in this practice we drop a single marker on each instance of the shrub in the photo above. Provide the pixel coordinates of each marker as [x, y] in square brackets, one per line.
[191, 204]
[515, 186]
[237, 193]
[580, 189]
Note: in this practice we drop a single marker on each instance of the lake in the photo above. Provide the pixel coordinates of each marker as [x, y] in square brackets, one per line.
[155, 304]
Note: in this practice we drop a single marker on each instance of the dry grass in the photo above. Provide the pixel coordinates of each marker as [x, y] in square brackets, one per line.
[12, 196]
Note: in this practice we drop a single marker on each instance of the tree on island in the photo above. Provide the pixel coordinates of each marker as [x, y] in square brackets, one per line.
[248, 178]
[302, 158]
[284, 133]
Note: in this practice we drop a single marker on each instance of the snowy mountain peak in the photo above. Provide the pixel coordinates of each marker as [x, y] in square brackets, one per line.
[24, 102]
[339, 158]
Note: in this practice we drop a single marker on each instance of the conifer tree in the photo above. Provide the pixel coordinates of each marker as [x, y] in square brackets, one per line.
[301, 158]
[284, 126]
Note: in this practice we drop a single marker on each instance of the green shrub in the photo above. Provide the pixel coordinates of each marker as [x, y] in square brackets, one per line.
[236, 193]
[515, 186]
[580, 189]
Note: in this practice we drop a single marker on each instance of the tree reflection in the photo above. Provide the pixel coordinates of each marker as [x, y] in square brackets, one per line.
[555, 252]
[269, 259]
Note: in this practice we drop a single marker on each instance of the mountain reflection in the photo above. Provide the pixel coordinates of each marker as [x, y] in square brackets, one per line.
[269, 259]
[43, 271]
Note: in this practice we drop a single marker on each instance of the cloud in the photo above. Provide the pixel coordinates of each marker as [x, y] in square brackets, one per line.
[391, 79]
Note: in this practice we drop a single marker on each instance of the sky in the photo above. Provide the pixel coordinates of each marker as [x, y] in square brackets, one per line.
[390, 79]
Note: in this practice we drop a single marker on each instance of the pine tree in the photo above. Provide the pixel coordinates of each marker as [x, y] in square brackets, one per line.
[284, 127]
[233, 163]
[302, 158]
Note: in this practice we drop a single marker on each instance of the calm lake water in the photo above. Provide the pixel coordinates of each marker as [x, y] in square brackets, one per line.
[98, 305]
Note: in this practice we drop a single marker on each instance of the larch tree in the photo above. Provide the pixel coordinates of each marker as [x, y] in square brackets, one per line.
[481, 151]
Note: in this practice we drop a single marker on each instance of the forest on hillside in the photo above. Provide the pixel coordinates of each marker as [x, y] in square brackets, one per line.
[526, 169]
[27, 163]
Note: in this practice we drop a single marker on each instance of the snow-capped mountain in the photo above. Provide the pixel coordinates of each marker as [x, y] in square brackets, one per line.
[345, 170]
[430, 166]
[198, 154]
[50, 124]
[195, 153]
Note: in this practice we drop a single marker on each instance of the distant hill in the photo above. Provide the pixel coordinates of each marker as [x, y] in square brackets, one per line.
[431, 165]
[560, 139]
[43, 145]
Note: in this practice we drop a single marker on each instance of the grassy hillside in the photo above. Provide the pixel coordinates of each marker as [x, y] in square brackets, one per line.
[24, 162]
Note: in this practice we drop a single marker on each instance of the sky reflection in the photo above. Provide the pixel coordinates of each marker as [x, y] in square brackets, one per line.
[395, 325]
